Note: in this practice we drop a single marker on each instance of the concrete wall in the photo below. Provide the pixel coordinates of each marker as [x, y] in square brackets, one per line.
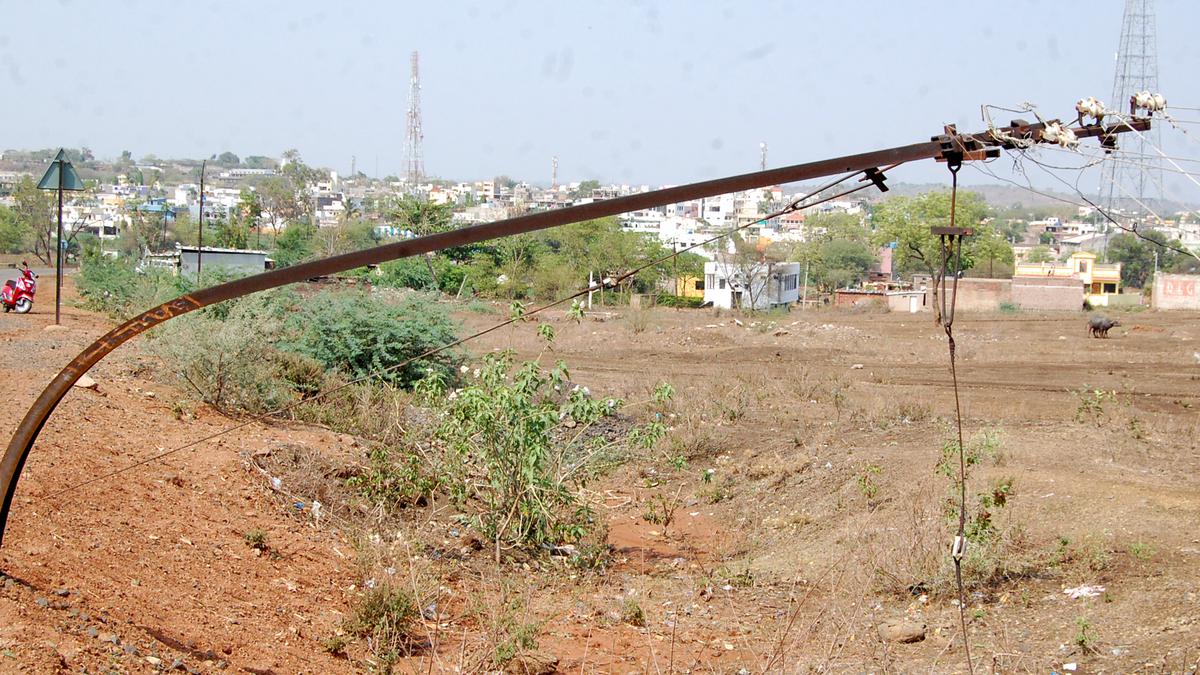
[1176, 291]
[1047, 293]
[975, 295]
[242, 262]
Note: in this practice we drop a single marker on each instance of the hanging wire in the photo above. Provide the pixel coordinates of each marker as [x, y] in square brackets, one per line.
[796, 205]
[951, 245]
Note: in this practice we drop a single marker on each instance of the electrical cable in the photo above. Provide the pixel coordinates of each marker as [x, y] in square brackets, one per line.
[1088, 202]
[958, 549]
[795, 205]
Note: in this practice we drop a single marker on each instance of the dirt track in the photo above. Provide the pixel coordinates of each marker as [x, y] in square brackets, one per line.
[157, 559]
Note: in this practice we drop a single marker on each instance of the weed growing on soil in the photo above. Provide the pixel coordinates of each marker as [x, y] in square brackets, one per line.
[1141, 550]
[386, 616]
[632, 613]
[638, 319]
[515, 446]
[394, 479]
[866, 481]
[256, 539]
[508, 629]
[1083, 639]
[334, 645]
[1091, 404]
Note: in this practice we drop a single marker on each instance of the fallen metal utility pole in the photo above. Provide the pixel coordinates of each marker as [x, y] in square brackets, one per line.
[949, 145]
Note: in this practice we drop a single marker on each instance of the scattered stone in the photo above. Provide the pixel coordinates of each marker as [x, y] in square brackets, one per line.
[154, 661]
[131, 650]
[177, 664]
[533, 664]
[92, 632]
[567, 550]
[62, 592]
[85, 382]
[857, 366]
[110, 637]
[781, 332]
[902, 630]
[42, 602]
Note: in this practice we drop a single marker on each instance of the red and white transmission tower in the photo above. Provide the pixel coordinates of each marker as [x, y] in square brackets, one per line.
[413, 136]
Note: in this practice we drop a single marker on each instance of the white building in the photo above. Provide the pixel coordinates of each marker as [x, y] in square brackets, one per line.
[751, 285]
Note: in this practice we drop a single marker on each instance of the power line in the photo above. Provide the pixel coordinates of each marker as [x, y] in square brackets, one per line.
[795, 205]
[1088, 202]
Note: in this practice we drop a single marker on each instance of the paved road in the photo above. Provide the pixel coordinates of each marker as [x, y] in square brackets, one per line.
[44, 274]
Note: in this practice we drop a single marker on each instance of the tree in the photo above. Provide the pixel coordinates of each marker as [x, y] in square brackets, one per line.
[1040, 254]
[15, 235]
[34, 210]
[1137, 256]
[228, 159]
[990, 248]
[585, 189]
[906, 221]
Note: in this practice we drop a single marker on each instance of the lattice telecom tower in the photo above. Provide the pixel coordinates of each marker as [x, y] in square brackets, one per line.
[1136, 173]
[415, 163]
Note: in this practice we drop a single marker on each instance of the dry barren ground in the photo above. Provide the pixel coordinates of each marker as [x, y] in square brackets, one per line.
[800, 478]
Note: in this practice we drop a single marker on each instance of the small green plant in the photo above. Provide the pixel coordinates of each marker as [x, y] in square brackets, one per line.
[661, 511]
[575, 313]
[394, 479]
[1141, 550]
[1083, 639]
[679, 462]
[335, 645]
[507, 626]
[386, 615]
[256, 539]
[663, 393]
[632, 613]
[706, 476]
[866, 481]
[1091, 403]
[504, 456]
[1136, 430]
[1009, 308]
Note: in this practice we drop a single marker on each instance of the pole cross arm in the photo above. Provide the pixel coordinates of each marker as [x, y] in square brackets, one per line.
[937, 148]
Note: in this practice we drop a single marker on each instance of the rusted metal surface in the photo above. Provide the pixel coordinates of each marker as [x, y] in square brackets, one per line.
[26, 433]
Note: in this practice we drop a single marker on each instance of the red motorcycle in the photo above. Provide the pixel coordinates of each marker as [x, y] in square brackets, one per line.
[18, 294]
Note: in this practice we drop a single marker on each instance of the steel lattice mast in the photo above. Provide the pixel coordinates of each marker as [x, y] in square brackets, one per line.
[415, 163]
[1124, 183]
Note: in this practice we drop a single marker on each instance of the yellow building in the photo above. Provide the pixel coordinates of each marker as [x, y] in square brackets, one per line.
[1099, 280]
[689, 287]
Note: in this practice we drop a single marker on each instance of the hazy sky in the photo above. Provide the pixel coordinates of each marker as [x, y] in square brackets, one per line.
[637, 92]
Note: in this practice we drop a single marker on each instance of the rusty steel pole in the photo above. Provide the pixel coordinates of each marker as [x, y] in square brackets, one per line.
[968, 146]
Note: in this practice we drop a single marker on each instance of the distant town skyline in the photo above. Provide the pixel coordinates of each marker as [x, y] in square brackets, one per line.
[661, 93]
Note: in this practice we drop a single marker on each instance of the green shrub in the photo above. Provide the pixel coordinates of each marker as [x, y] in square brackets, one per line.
[360, 335]
[387, 616]
[509, 455]
[668, 300]
[228, 362]
[106, 285]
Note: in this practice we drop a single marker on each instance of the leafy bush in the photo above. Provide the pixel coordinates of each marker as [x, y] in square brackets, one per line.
[360, 335]
[107, 285]
[668, 300]
[228, 361]
[266, 351]
[387, 616]
[515, 446]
